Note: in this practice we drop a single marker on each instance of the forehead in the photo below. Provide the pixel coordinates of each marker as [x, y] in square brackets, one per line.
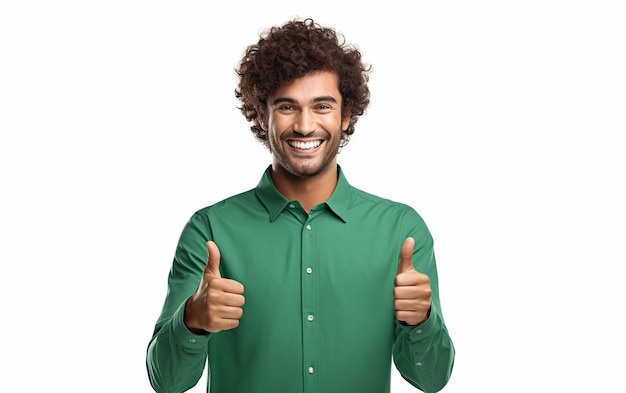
[309, 87]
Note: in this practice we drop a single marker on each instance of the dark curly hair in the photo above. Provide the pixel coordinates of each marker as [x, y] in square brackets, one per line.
[291, 51]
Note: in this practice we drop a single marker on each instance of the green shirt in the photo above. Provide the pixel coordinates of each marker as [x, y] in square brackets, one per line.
[319, 313]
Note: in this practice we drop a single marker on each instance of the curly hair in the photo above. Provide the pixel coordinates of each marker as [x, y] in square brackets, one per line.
[291, 51]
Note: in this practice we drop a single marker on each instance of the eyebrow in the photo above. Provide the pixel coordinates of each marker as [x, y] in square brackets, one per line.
[292, 101]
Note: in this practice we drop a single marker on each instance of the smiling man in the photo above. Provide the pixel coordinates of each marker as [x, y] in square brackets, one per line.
[303, 283]
[305, 123]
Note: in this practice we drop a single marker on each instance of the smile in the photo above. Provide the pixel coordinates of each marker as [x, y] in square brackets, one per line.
[304, 145]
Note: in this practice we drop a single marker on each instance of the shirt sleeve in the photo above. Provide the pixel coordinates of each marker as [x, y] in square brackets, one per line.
[176, 357]
[424, 354]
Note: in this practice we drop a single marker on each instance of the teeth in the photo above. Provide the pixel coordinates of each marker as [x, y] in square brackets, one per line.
[305, 145]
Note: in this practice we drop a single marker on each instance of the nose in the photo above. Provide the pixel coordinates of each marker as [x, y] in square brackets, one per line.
[304, 123]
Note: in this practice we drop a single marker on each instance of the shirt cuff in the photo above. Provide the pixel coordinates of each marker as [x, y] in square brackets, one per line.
[183, 336]
[423, 330]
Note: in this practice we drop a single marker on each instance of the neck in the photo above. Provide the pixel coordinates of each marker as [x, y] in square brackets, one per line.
[309, 191]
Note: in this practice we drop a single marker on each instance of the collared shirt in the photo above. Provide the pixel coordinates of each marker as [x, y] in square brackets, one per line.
[319, 313]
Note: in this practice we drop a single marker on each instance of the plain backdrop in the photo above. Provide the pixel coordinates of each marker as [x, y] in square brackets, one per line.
[501, 122]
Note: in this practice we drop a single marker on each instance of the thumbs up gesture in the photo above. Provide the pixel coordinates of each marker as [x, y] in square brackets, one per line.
[217, 303]
[412, 290]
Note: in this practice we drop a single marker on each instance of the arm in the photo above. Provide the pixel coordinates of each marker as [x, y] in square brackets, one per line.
[176, 357]
[423, 351]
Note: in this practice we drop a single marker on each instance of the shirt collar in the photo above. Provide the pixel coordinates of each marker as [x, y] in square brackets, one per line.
[275, 202]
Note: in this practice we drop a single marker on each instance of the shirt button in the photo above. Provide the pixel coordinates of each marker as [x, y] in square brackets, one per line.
[308, 227]
[311, 370]
[192, 340]
[310, 318]
[292, 206]
[418, 331]
[309, 270]
[418, 364]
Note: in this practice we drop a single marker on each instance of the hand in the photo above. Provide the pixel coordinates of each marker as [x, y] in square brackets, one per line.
[412, 290]
[217, 303]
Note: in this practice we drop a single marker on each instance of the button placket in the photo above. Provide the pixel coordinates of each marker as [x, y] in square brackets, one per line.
[309, 306]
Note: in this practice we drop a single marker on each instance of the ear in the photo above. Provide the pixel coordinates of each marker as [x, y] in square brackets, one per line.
[345, 122]
[262, 122]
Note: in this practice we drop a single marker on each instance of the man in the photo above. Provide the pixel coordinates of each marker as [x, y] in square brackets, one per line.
[304, 283]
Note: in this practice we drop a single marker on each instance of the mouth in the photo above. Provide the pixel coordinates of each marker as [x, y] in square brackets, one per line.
[305, 145]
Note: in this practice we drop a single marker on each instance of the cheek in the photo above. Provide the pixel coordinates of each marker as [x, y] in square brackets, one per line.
[273, 135]
[277, 125]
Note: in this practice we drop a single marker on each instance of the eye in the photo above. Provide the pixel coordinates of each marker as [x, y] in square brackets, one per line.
[286, 108]
[324, 107]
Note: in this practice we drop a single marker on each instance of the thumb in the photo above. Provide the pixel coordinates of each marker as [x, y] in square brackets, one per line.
[213, 264]
[406, 256]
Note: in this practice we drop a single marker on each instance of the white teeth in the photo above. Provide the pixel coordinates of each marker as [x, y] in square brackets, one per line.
[305, 145]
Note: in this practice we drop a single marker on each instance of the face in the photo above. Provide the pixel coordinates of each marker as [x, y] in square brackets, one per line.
[304, 124]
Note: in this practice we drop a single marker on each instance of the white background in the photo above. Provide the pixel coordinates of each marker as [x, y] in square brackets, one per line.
[502, 123]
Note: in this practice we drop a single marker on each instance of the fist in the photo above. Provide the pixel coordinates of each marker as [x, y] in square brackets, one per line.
[412, 292]
[217, 303]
